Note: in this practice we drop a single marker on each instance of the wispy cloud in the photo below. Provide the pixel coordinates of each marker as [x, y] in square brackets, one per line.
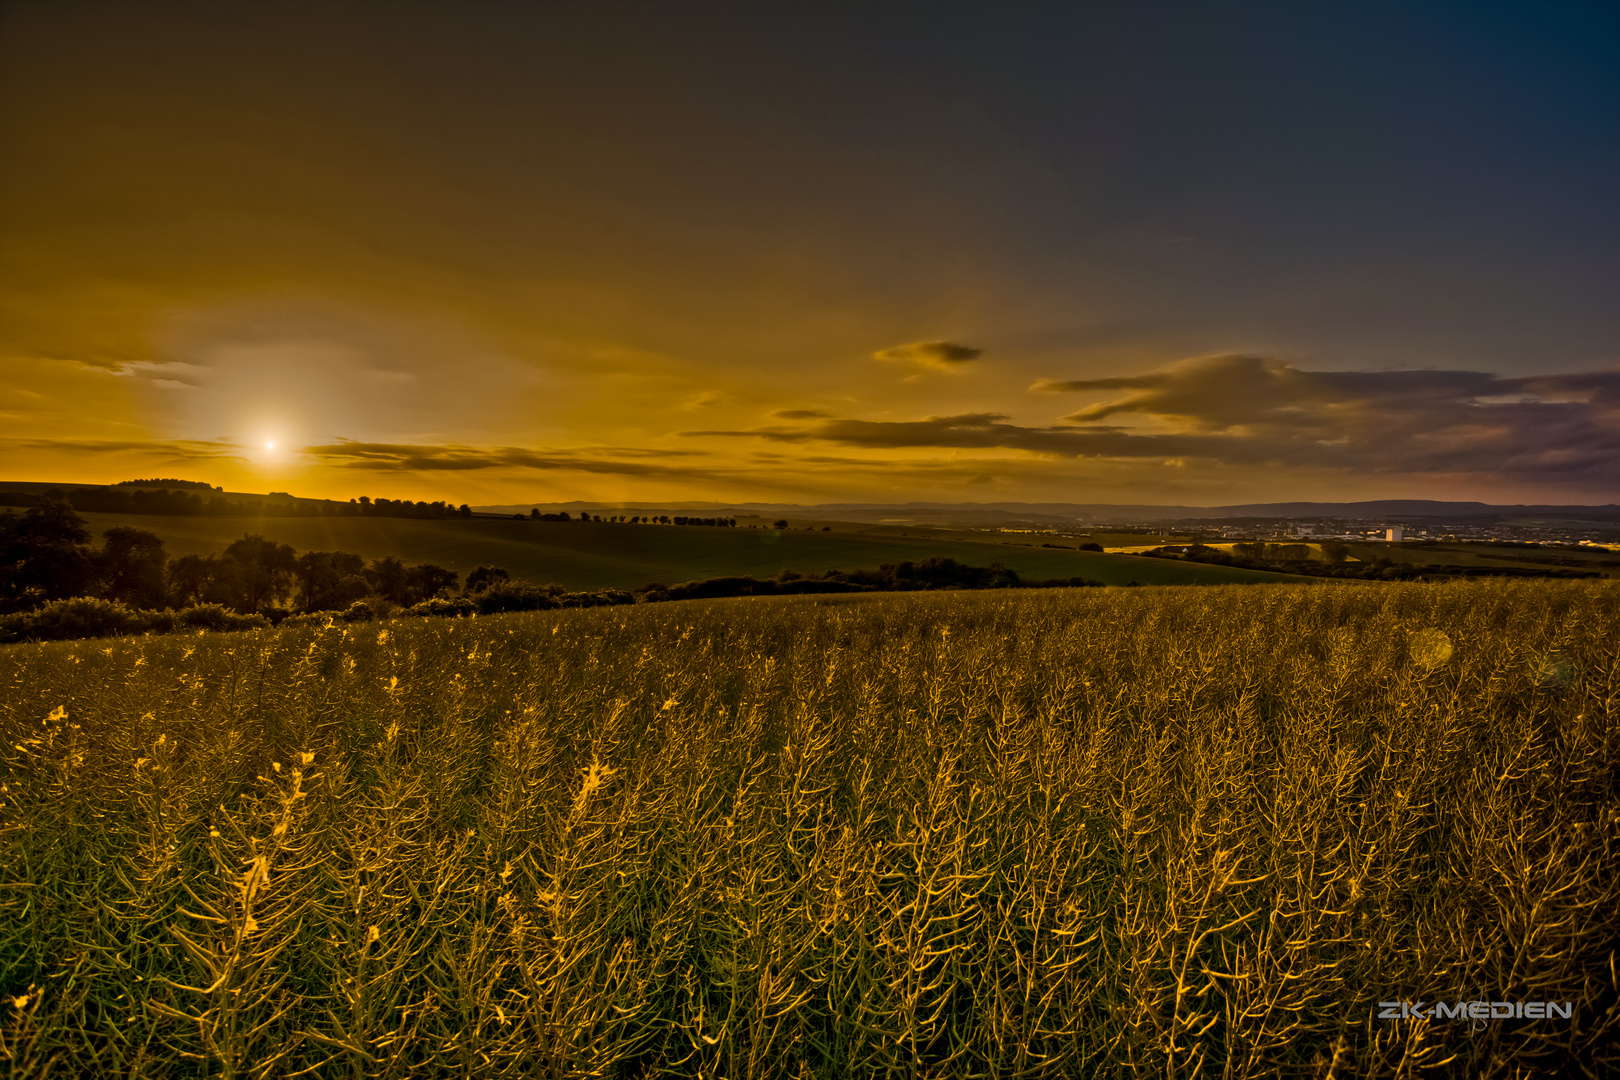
[418, 457]
[174, 450]
[936, 355]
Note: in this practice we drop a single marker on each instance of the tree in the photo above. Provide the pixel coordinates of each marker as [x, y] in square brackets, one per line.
[44, 555]
[132, 567]
[426, 581]
[330, 580]
[485, 577]
[198, 579]
[266, 570]
[782, 524]
[389, 578]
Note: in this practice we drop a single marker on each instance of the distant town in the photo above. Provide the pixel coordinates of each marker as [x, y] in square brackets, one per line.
[1601, 536]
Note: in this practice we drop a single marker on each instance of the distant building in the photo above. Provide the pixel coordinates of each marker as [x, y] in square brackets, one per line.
[1393, 536]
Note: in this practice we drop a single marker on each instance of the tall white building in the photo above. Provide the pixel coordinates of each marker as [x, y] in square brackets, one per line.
[1393, 535]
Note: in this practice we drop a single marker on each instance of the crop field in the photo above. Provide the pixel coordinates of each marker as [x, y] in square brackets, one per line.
[593, 555]
[1070, 832]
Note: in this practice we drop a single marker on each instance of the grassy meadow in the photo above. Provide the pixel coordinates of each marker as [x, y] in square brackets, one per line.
[594, 555]
[1073, 832]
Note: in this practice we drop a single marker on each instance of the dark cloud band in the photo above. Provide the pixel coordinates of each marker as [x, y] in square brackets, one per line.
[1257, 412]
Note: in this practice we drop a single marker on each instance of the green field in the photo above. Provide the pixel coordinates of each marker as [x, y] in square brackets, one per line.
[1124, 832]
[591, 555]
[1424, 553]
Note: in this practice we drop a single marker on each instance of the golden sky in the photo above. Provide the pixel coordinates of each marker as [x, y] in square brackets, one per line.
[658, 252]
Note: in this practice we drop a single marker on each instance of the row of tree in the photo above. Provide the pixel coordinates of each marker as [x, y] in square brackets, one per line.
[126, 499]
[186, 498]
[46, 554]
[650, 519]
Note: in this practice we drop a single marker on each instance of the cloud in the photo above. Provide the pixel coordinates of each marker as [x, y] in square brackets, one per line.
[176, 450]
[800, 414]
[937, 355]
[418, 457]
[1256, 412]
[706, 399]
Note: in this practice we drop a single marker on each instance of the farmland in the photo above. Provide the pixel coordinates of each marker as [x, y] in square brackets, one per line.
[596, 555]
[1150, 832]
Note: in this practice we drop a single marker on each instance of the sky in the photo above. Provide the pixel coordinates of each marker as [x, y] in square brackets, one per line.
[502, 252]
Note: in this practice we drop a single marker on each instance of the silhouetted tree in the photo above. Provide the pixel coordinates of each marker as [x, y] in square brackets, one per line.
[426, 581]
[199, 579]
[330, 580]
[484, 577]
[390, 579]
[266, 570]
[44, 555]
[132, 567]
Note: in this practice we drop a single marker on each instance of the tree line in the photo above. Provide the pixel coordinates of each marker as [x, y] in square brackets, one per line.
[178, 501]
[637, 519]
[46, 555]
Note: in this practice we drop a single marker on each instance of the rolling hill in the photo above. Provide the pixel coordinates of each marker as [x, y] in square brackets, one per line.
[594, 555]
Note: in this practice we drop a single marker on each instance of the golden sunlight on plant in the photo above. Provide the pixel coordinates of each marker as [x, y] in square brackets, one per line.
[1144, 832]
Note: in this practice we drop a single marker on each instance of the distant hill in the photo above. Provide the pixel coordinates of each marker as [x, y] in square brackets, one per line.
[989, 515]
[594, 555]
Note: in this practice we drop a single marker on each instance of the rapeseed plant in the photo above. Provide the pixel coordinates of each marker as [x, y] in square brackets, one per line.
[1160, 832]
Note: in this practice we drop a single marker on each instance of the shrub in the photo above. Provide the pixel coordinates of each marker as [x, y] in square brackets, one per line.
[517, 596]
[369, 609]
[599, 598]
[439, 606]
[309, 618]
[77, 617]
[91, 617]
[217, 617]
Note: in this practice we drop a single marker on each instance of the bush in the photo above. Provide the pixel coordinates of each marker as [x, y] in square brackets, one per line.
[599, 598]
[370, 609]
[91, 617]
[217, 617]
[77, 617]
[439, 606]
[517, 596]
